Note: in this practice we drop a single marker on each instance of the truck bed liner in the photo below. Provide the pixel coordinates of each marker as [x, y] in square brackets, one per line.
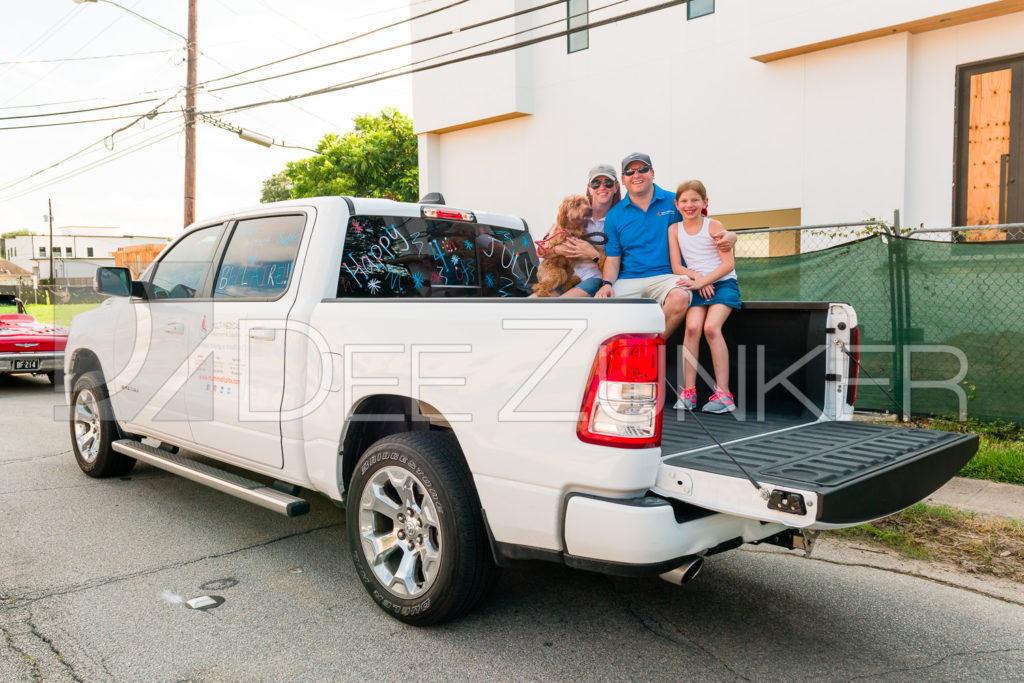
[858, 471]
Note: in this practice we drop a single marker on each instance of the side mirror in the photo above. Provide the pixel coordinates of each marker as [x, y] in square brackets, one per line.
[113, 281]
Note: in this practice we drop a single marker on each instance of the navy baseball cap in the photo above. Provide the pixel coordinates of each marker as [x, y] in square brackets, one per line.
[636, 156]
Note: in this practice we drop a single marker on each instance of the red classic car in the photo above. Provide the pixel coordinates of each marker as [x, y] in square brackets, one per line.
[27, 345]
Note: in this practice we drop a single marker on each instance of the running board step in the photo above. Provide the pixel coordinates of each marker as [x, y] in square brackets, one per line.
[239, 487]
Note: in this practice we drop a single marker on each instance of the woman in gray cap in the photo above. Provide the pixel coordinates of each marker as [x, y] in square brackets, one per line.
[603, 192]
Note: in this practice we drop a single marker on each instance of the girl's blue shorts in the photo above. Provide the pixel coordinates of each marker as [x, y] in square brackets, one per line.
[726, 292]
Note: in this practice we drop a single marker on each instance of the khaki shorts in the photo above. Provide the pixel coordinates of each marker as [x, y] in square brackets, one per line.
[655, 287]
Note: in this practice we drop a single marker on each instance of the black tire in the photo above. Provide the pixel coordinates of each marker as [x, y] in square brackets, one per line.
[441, 549]
[93, 429]
[56, 377]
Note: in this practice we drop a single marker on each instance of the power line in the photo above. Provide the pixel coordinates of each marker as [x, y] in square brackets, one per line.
[409, 44]
[82, 59]
[363, 81]
[93, 165]
[75, 123]
[78, 111]
[287, 18]
[84, 99]
[272, 94]
[41, 39]
[340, 42]
[487, 53]
[85, 149]
[82, 47]
[75, 155]
[146, 19]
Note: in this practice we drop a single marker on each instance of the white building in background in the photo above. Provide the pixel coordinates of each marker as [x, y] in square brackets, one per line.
[791, 111]
[77, 250]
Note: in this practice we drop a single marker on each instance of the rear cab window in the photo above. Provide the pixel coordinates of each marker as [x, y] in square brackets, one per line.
[416, 257]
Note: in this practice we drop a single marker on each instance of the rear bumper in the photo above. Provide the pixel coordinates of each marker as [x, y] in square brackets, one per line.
[48, 361]
[648, 532]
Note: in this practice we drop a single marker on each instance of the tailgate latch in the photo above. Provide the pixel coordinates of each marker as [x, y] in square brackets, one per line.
[786, 501]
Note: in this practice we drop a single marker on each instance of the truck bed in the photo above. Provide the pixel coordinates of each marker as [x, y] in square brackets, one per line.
[824, 472]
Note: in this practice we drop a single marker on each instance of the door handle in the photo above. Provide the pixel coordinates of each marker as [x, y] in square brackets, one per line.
[263, 334]
[174, 328]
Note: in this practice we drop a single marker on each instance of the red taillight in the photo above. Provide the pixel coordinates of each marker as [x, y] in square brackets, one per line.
[632, 360]
[623, 403]
[448, 214]
[854, 366]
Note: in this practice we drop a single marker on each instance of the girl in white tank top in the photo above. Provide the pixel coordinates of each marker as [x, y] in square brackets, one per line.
[710, 276]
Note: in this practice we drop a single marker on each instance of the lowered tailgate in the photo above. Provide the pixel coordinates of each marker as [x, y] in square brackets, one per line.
[820, 474]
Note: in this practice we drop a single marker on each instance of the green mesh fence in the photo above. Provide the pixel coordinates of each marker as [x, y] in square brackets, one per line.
[927, 311]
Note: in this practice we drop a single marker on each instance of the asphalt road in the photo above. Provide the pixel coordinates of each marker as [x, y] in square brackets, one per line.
[93, 572]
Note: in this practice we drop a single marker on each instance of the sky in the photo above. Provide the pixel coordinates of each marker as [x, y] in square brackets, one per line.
[58, 55]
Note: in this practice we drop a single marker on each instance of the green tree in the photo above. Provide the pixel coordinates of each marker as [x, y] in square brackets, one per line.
[377, 159]
[276, 188]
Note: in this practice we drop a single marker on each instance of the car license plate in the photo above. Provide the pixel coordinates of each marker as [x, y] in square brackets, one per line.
[26, 364]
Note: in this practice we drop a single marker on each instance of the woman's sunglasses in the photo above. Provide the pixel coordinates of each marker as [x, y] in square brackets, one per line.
[597, 182]
[642, 169]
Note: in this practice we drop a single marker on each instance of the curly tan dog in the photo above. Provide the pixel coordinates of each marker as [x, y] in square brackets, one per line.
[556, 271]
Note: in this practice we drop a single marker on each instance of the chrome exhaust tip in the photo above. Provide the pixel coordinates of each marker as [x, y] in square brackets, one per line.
[684, 573]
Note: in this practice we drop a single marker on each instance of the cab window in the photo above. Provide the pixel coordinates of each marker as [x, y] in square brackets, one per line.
[259, 259]
[179, 273]
[403, 257]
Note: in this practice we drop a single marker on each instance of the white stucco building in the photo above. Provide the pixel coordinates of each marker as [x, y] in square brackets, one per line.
[791, 111]
[77, 250]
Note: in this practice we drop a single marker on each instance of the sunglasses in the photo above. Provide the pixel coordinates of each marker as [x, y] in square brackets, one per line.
[630, 171]
[597, 182]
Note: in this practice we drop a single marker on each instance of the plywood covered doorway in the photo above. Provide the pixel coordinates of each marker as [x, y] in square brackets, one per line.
[989, 126]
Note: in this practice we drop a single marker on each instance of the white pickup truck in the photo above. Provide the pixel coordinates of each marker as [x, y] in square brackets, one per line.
[386, 356]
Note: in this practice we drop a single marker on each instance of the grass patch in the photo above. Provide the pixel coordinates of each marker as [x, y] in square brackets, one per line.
[997, 429]
[997, 461]
[1000, 455]
[941, 533]
[57, 314]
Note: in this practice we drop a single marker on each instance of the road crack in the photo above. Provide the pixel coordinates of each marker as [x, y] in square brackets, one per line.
[911, 573]
[32, 458]
[25, 657]
[30, 621]
[670, 632]
[15, 602]
[887, 673]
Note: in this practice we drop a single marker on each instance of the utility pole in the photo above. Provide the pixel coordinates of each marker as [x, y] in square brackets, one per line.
[49, 215]
[190, 115]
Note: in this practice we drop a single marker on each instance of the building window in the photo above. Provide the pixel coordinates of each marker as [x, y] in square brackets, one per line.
[577, 12]
[42, 251]
[699, 8]
[67, 251]
[88, 252]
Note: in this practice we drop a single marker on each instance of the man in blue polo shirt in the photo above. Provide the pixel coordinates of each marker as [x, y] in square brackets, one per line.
[637, 263]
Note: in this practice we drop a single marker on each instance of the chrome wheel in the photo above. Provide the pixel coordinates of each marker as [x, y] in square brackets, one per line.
[87, 425]
[399, 532]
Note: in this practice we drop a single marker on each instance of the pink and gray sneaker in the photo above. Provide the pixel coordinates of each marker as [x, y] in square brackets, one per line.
[687, 399]
[720, 402]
